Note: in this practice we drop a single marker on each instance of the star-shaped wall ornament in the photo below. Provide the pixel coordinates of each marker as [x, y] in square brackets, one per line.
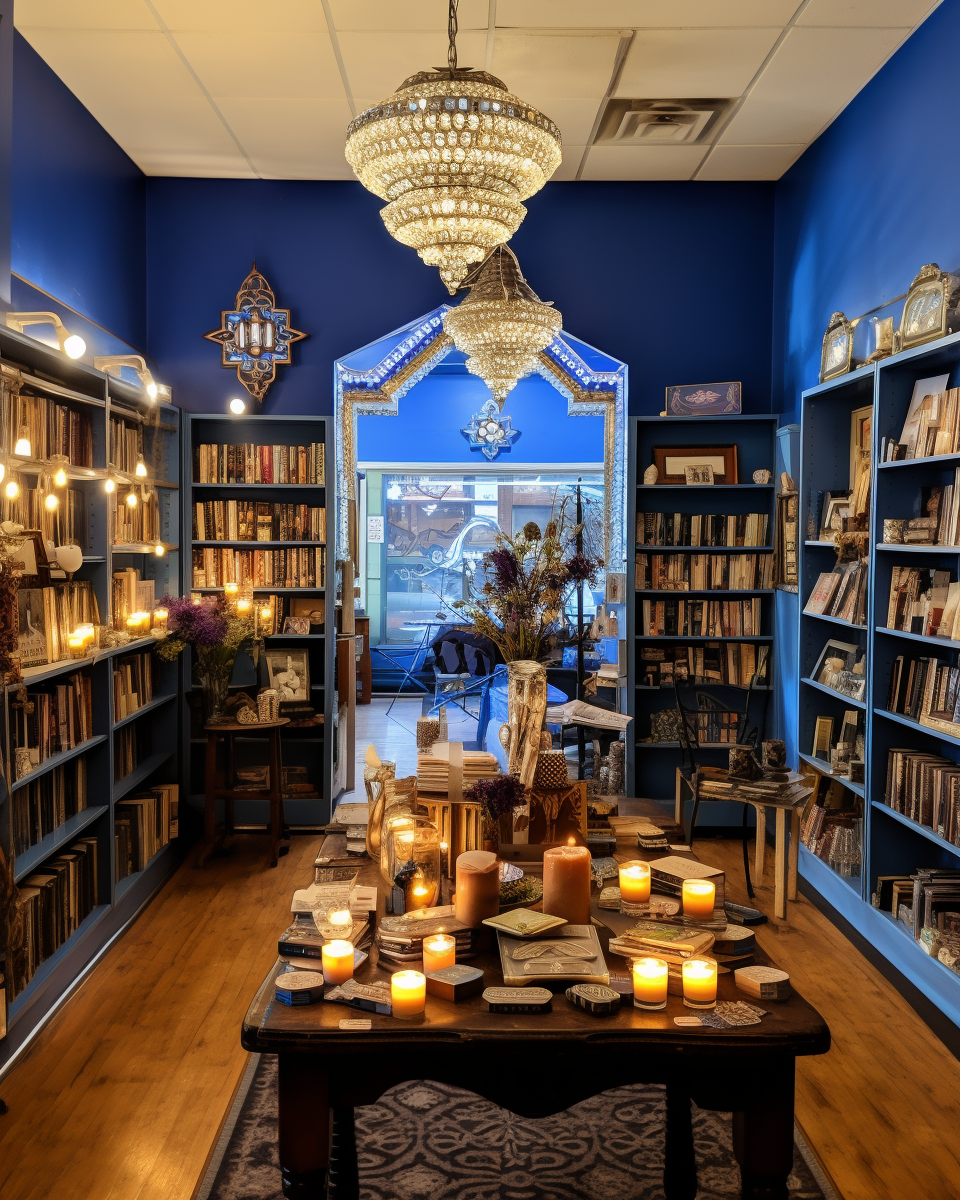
[256, 336]
[490, 431]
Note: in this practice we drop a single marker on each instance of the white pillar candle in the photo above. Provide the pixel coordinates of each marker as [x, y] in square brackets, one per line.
[337, 962]
[408, 993]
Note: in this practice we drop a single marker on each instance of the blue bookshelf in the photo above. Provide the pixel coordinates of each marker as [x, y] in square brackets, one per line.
[893, 844]
[652, 766]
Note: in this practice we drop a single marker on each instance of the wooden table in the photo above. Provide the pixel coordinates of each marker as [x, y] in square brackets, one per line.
[220, 784]
[560, 1058]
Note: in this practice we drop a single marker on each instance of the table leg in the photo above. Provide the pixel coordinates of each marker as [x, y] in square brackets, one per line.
[228, 823]
[344, 1175]
[210, 800]
[763, 1137]
[304, 1128]
[677, 795]
[276, 791]
[760, 852]
[780, 866]
[679, 1158]
[794, 853]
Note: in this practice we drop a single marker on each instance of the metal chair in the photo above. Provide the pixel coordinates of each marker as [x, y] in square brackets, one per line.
[465, 664]
[419, 652]
[703, 716]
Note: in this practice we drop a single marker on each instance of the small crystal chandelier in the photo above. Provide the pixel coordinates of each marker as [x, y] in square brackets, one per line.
[503, 324]
[454, 154]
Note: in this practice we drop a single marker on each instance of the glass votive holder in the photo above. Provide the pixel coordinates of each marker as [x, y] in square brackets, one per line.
[650, 980]
[408, 993]
[699, 898]
[634, 886]
[337, 961]
[699, 983]
[439, 951]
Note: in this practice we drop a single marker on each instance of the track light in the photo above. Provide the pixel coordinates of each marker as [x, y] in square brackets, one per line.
[238, 406]
[51, 502]
[111, 364]
[22, 448]
[159, 549]
[12, 490]
[131, 499]
[141, 470]
[72, 344]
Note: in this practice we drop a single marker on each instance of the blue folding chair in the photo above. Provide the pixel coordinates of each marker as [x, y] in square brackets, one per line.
[410, 672]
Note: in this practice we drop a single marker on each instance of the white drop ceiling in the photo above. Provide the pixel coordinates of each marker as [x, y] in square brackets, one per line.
[265, 89]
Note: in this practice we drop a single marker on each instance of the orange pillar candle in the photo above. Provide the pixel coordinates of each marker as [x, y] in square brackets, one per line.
[699, 983]
[566, 883]
[439, 951]
[478, 887]
[635, 882]
[699, 896]
[650, 977]
[408, 993]
[337, 962]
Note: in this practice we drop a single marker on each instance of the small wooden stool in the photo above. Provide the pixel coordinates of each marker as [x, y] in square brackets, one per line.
[220, 784]
[785, 859]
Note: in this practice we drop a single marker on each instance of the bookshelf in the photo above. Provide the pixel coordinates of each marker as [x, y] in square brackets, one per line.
[652, 766]
[308, 748]
[893, 843]
[92, 401]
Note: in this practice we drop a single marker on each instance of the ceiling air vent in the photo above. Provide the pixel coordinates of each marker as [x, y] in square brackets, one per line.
[659, 122]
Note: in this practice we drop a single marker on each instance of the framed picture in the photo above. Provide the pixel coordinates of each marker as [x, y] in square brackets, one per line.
[703, 399]
[836, 354]
[309, 607]
[837, 507]
[672, 461]
[700, 476]
[33, 555]
[299, 625]
[929, 310]
[822, 737]
[835, 658]
[289, 673]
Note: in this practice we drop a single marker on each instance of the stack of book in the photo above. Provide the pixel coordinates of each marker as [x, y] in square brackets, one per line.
[47, 618]
[132, 684]
[841, 593]
[42, 805]
[935, 902]
[250, 463]
[143, 824]
[701, 618]
[126, 751]
[738, 664]
[931, 428]
[53, 721]
[925, 788]
[433, 770]
[258, 521]
[927, 689]
[126, 445]
[701, 529]
[54, 902]
[924, 601]
[399, 939]
[53, 429]
[138, 524]
[65, 526]
[703, 572]
[130, 594]
[263, 568]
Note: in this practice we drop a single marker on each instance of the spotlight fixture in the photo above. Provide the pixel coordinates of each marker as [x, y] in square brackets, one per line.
[141, 470]
[159, 549]
[109, 486]
[72, 344]
[22, 448]
[131, 499]
[12, 490]
[237, 406]
[111, 364]
[51, 502]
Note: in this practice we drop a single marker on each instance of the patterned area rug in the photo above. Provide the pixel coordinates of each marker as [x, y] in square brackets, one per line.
[428, 1141]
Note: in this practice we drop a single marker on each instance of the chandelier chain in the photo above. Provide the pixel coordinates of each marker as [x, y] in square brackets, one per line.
[452, 33]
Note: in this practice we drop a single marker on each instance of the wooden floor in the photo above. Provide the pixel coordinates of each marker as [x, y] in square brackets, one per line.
[122, 1095]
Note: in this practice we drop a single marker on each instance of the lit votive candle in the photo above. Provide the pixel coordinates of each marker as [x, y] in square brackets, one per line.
[337, 961]
[244, 606]
[634, 883]
[417, 893]
[650, 983]
[231, 589]
[699, 983]
[77, 646]
[341, 917]
[439, 951]
[408, 993]
[698, 898]
[87, 632]
[160, 616]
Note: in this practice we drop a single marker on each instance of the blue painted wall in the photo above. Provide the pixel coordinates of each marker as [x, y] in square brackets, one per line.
[871, 201]
[6, 145]
[656, 274]
[78, 206]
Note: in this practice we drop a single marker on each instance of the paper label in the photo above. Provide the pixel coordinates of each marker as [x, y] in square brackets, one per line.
[355, 1023]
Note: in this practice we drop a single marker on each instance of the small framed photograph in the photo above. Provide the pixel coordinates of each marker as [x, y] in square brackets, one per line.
[836, 354]
[33, 555]
[672, 461]
[699, 476]
[289, 673]
[703, 399]
[837, 507]
[835, 658]
[299, 625]
[309, 607]
[822, 737]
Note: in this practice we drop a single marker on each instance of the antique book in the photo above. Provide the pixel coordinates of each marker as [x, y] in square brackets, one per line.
[573, 954]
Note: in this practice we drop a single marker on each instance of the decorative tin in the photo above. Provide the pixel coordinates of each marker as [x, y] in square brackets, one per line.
[455, 983]
[594, 998]
[518, 999]
[295, 988]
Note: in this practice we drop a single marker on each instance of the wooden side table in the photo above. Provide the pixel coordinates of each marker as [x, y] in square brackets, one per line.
[220, 784]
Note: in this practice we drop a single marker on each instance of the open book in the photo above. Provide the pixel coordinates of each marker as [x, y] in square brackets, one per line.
[575, 712]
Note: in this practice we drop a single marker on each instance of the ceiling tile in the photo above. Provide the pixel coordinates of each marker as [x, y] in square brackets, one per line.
[641, 14]
[867, 14]
[673, 63]
[574, 117]
[642, 162]
[90, 14]
[292, 139]
[377, 65]
[239, 16]
[376, 16]
[303, 67]
[749, 162]
[543, 66]
[811, 78]
[567, 170]
[139, 90]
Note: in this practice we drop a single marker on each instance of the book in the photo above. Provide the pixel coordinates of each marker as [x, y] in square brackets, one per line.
[53, 429]
[702, 529]
[740, 664]
[700, 618]
[669, 873]
[252, 463]
[703, 572]
[573, 953]
[258, 521]
[289, 568]
[150, 818]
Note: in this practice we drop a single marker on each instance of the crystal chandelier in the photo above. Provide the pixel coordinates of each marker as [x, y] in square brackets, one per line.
[454, 154]
[503, 324]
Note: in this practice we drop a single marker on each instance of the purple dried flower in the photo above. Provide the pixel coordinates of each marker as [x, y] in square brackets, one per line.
[582, 569]
[499, 796]
[506, 568]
